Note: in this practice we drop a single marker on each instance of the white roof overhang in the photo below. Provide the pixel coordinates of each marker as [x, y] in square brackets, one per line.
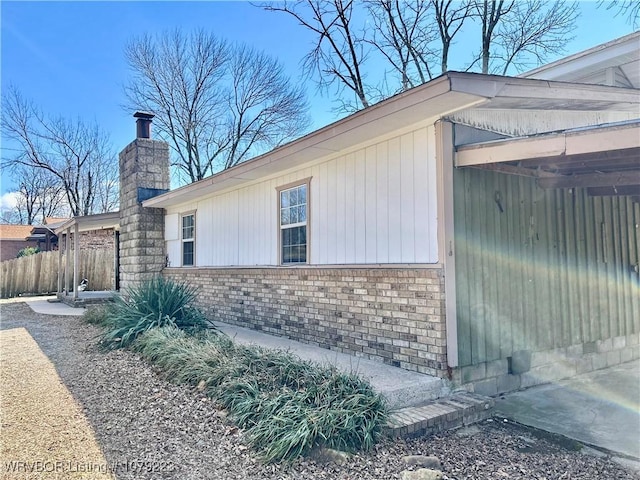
[100, 221]
[605, 159]
[622, 53]
[451, 92]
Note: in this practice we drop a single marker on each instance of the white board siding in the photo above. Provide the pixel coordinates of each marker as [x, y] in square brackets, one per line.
[376, 205]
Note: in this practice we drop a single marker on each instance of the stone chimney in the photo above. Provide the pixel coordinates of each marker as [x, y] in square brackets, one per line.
[144, 173]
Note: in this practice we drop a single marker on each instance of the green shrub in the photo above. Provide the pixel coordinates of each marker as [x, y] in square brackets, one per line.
[286, 405]
[97, 315]
[26, 251]
[156, 303]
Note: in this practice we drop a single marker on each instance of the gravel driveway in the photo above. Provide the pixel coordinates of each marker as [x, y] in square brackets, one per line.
[151, 429]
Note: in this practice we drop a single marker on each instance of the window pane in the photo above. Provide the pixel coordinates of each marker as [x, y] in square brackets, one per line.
[294, 245]
[187, 253]
[293, 210]
[298, 254]
[188, 222]
[284, 199]
[284, 216]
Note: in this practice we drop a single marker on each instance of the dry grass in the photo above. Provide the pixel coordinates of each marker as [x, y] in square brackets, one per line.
[41, 423]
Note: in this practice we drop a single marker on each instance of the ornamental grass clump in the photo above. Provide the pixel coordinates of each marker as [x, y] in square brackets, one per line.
[156, 303]
[286, 406]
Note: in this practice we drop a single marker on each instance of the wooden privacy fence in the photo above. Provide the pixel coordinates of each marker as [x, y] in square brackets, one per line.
[39, 273]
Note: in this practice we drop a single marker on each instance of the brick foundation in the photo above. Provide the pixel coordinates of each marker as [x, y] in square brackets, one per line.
[394, 315]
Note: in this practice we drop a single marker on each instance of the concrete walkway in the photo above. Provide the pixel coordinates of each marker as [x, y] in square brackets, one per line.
[401, 388]
[600, 408]
[45, 306]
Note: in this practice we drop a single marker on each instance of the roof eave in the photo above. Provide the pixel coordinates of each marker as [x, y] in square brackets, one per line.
[99, 221]
[449, 93]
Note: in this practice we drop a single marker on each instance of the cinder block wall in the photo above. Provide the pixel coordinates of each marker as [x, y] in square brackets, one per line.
[396, 316]
[526, 369]
[144, 163]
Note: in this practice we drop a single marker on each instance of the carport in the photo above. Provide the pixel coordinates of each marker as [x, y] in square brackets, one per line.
[547, 252]
[71, 229]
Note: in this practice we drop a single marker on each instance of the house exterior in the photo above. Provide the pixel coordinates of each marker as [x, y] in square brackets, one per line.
[14, 238]
[478, 228]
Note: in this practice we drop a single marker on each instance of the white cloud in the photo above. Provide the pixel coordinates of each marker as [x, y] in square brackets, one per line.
[9, 201]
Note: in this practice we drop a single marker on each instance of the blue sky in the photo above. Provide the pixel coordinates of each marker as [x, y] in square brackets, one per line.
[67, 56]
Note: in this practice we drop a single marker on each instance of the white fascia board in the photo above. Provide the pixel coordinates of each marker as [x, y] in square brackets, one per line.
[572, 142]
[587, 59]
[99, 221]
[432, 99]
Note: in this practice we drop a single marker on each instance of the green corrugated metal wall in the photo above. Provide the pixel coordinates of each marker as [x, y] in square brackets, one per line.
[539, 269]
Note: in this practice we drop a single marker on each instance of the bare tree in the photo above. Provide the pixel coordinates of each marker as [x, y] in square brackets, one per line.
[450, 16]
[107, 187]
[40, 195]
[215, 104]
[263, 108]
[536, 30]
[70, 151]
[411, 37]
[628, 8]
[489, 14]
[339, 54]
[403, 33]
[524, 32]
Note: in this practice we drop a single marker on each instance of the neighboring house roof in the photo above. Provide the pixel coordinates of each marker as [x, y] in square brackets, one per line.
[52, 220]
[449, 93]
[613, 63]
[100, 221]
[14, 232]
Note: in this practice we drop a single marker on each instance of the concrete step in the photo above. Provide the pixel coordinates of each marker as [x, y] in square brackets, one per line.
[458, 410]
[400, 387]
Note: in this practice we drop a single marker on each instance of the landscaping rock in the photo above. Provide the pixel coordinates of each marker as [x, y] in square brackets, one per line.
[421, 474]
[423, 461]
[328, 455]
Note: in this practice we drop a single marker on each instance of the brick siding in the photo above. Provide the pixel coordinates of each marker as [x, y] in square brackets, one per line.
[9, 249]
[394, 315]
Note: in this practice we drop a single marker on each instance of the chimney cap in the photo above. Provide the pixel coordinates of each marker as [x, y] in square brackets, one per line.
[144, 115]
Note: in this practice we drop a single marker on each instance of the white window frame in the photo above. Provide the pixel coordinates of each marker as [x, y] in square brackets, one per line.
[184, 240]
[306, 182]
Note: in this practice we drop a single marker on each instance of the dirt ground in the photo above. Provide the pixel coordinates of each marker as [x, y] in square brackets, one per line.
[148, 428]
[44, 431]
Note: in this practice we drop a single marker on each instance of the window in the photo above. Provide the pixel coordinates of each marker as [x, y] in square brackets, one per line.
[188, 239]
[293, 207]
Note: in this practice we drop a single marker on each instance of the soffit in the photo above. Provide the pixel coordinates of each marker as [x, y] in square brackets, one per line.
[604, 159]
[101, 221]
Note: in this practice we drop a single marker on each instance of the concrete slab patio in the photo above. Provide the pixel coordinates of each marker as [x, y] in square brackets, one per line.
[601, 409]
